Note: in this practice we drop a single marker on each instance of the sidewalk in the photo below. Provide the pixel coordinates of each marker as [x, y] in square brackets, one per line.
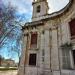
[12, 72]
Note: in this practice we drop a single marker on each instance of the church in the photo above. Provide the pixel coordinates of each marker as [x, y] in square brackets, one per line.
[49, 41]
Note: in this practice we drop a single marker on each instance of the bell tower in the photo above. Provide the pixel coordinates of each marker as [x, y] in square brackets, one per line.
[40, 8]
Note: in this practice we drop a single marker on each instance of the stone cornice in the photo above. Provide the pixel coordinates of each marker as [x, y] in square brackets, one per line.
[34, 2]
[31, 24]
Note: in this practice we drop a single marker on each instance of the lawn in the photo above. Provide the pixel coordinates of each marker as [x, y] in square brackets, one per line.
[8, 68]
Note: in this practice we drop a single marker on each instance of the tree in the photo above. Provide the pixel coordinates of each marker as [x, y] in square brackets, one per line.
[0, 59]
[6, 19]
[10, 29]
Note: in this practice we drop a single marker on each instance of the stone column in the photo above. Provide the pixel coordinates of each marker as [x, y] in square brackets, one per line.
[59, 46]
[47, 49]
[54, 51]
[41, 48]
[65, 33]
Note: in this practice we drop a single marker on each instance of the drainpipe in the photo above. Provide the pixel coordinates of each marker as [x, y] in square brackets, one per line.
[50, 36]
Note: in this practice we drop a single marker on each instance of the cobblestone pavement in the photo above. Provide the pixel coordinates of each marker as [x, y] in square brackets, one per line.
[8, 72]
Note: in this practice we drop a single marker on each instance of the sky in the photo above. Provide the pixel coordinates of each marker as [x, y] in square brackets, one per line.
[24, 8]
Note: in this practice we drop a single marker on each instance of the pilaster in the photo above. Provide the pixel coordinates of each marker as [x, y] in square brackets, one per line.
[54, 51]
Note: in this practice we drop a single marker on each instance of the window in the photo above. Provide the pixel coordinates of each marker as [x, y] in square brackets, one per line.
[38, 8]
[33, 40]
[74, 56]
[66, 59]
[43, 54]
[32, 59]
[72, 28]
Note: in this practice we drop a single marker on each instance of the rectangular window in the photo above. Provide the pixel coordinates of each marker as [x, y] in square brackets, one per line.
[32, 59]
[72, 28]
[43, 54]
[33, 40]
[66, 59]
[73, 56]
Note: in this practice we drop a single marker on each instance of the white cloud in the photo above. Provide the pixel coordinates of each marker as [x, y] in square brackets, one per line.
[56, 5]
[25, 6]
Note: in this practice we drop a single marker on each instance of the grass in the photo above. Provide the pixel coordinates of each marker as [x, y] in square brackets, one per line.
[8, 68]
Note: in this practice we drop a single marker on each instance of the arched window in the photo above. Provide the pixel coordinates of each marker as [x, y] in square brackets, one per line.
[38, 8]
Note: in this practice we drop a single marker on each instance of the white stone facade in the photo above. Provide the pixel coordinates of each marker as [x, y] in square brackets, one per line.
[52, 33]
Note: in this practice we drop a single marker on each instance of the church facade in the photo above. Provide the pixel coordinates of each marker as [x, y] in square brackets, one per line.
[49, 41]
